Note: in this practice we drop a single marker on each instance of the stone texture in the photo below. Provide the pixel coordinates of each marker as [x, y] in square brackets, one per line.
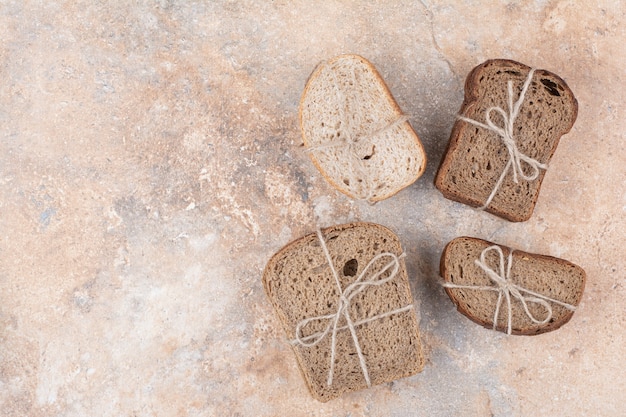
[151, 163]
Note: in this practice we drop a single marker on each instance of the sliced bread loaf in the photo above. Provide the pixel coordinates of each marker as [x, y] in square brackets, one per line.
[355, 133]
[356, 330]
[505, 136]
[481, 278]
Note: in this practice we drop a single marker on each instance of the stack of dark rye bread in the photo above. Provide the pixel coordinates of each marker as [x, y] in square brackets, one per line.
[342, 293]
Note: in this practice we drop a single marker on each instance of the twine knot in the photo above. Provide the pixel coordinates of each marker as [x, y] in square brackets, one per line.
[365, 279]
[507, 289]
[516, 157]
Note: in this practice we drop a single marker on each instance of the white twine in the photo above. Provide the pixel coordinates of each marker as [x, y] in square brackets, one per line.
[361, 283]
[505, 289]
[348, 142]
[506, 134]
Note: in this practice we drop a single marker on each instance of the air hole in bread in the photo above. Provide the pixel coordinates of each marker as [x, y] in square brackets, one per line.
[367, 157]
[551, 86]
[346, 181]
[350, 268]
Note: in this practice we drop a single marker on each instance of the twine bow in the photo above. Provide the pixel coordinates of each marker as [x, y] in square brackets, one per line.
[507, 289]
[362, 282]
[516, 157]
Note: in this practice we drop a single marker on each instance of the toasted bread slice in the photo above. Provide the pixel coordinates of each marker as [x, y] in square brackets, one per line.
[355, 133]
[476, 157]
[552, 278]
[300, 284]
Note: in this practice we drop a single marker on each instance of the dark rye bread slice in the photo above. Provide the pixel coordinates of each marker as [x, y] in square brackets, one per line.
[300, 285]
[476, 157]
[355, 132]
[546, 275]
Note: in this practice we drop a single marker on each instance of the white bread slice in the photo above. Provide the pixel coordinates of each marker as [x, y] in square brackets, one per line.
[355, 133]
[300, 284]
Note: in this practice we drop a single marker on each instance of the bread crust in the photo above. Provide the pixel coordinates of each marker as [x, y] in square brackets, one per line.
[460, 127]
[398, 113]
[531, 330]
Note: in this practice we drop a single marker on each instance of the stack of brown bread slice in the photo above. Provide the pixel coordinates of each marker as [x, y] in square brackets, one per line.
[509, 127]
[344, 300]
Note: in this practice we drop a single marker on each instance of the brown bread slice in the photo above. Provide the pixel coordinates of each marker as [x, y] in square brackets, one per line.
[476, 157]
[551, 277]
[300, 285]
[355, 133]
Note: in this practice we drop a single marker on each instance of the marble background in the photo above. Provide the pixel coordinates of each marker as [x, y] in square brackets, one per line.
[151, 163]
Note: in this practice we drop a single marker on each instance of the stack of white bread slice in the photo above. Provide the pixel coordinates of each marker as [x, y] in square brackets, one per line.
[355, 133]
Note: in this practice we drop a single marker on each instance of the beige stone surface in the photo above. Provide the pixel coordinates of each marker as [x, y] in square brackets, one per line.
[151, 163]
